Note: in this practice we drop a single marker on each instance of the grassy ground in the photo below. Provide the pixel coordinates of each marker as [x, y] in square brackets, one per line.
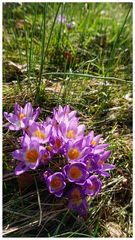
[89, 68]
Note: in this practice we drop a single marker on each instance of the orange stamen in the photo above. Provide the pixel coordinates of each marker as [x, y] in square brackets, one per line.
[71, 134]
[40, 135]
[75, 197]
[102, 162]
[32, 156]
[92, 187]
[45, 157]
[21, 116]
[93, 143]
[75, 172]
[73, 153]
[58, 143]
[56, 183]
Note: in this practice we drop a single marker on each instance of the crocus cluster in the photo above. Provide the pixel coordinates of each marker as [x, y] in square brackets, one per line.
[71, 162]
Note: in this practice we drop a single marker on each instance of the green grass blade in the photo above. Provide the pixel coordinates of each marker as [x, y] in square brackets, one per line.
[88, 76]
[44, 52]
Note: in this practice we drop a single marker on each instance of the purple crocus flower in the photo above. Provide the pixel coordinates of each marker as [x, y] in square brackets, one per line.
[100, 148]
[21, 117]
[70, 25]
[103, 167]
[45, 156]
[57, 144]
[28, 155]
[54, 126]
[92, 186]
[61, 113]
[40, 131]
[56, 183]
[67, 112]
[61, 19]
[91, 140]
[77, 201]
[46, 174]
[91, 161]
[76, 172]
[70, 130]
[75, 151]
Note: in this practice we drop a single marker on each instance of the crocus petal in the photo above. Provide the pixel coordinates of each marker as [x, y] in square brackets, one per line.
[60, 109]
[22, 124]
[21, 139]
[12, 127]
[98, 151]
[36, 114]
[73, 124]
[97, 138]
[46, 174]
[106, 155]
[17, 108]
[20, 168]
[48, 129]
[59, 194]
[34, 143]
[81, 129]
[104, 174]
[90, 136]
[81, 183]
[85, 204]
[107, 167]
[72, 114]
[18, 154]
[27, 123]
[26, 141]
[102, 146]
[62, 127]
[12, 118]
[35, 165]
[8, 115]
[28, 110]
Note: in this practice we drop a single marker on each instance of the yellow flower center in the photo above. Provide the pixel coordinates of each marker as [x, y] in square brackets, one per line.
[75, 172]
[93, 143]
[32, 156]
[71, 134]
[102, 162]
[21, 116]
[40, 135]
[73, 153]
[58, 143]
[56, 183]
[75, 197]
